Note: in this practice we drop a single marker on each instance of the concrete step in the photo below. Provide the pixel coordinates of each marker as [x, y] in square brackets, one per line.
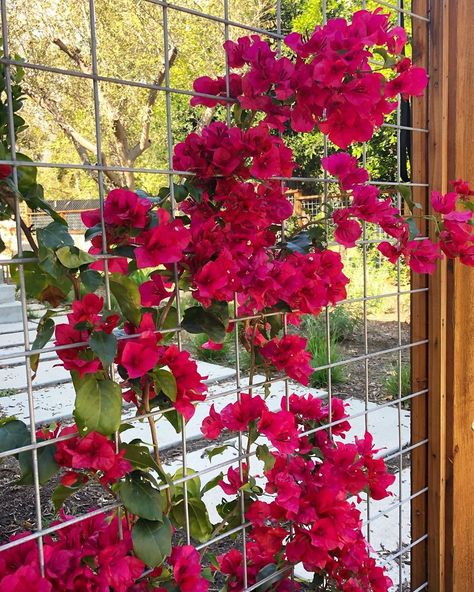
[7, 293]
[10, 312]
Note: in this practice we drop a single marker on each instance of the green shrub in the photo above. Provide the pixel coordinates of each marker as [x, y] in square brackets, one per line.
[319, 351]
[210, 355]
[392, 382]
[341, 325]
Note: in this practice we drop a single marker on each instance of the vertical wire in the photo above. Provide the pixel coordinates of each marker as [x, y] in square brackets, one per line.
[21, 274]
[327, 228]
[100, 179]
[284, 316]
[98, 139]
[175, 267]
[399, 356]
[238, 381]
[365, 320]
[283, 231]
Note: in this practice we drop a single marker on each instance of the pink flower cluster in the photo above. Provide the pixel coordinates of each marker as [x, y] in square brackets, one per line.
[130, 222]
[455, 229]
[87, 555]
[234, 227]
[92, 556]
[312, 489]
[93, 455]
[139, 356]
[331, 82]
[86, 318]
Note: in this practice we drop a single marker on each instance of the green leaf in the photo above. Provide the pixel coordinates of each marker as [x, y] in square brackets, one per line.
[93, 231]
[180, 192]
[175, 419]
[13, 434]
[193, 191]
[405, 192]
[91, 279]
[209, 321]
[140, 497]
[152, 540]
[267, 572]
[263, 453]
[47, 466]
[54, 236]
[72, 257]
[212, 452]
[98, 405]
[171, 322]
[469, 205]
[139, 456]
[104, 345]
[166, 382]
[193, 485]
[212, 483]
[199, 524]
[61, 493]
[49, 263]
[412, 228]
[43, 335]
[275, 322]
[127, 295]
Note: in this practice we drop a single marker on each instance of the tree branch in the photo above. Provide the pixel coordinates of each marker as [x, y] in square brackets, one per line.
[145, 141]
[118, 128]
[82, 145]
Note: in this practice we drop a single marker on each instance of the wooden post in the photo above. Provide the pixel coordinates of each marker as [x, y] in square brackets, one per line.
[419, 315]
[451, 361]
[460, 309]
[297, 208]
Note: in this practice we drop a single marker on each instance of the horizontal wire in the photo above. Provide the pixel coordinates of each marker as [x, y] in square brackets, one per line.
[112, 79]
[404, 451]
[217, 19]
[165, 171]
[394, 556]
[423, 586]
[402, 10]
[403, 502]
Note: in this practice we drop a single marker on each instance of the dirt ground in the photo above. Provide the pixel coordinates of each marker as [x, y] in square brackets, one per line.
[382, 336]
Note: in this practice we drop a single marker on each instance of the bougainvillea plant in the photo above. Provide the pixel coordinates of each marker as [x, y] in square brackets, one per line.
[217, 235]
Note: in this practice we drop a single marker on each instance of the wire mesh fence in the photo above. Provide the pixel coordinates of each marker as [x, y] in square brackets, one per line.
[363, 348]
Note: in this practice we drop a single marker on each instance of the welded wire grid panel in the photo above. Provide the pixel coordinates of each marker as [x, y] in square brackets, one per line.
[361, 349]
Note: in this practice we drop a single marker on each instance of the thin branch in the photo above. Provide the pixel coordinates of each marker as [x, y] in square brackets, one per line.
[118, 128]
[82, 145]
[145, 141]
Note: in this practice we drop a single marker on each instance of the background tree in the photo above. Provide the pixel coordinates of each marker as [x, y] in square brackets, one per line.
[130, 46]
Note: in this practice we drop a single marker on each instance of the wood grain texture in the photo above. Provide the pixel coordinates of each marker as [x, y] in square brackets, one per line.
[437, 302]
[460, 314]
[419, 313]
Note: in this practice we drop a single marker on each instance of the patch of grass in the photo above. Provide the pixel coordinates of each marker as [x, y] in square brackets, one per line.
[213, 356]
[223, 357]
[319, 352]
[341, 325]
[395, 379]
[381, 278]
[8, 392]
